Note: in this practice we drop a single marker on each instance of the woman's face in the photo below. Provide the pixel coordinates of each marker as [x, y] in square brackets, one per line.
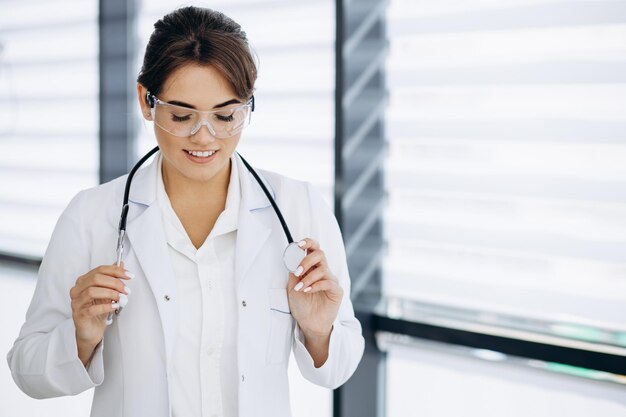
[202, 88]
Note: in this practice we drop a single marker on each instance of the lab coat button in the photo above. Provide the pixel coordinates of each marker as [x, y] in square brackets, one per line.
[167, 297]
[243, 303]
[243, 378]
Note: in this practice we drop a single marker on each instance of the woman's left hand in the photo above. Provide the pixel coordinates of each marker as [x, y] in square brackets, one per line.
[315, 294]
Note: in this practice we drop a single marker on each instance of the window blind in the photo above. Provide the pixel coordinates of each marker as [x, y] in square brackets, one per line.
[48, 116]
[506, 173]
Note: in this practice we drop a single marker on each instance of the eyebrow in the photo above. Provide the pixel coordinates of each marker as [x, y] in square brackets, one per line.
[191, 106]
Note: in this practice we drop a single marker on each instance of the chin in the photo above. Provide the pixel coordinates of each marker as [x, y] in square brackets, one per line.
[203, 173]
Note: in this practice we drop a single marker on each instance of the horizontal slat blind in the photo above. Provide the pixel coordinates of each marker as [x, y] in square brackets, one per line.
[506, 175]
[48, 116]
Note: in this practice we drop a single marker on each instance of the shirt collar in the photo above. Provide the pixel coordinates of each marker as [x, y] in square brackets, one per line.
[227, 220]
[144, 186]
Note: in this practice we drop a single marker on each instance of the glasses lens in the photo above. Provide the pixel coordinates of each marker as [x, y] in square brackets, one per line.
[176, 120]
[183, 122]
[231, 121]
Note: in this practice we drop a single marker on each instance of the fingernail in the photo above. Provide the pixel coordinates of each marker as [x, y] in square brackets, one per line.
[123, 300]
[298, 286]
[115, 306]
[298, 271]
[129, 274]
[307, 289]
[302, 243]
[126, 290]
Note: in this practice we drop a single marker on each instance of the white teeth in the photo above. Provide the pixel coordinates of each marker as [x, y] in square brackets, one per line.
[201, 154]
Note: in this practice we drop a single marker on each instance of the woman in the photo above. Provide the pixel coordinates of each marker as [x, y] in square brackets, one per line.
[213, 313]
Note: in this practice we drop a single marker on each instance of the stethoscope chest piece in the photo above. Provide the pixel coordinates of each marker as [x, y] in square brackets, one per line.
[292, 256]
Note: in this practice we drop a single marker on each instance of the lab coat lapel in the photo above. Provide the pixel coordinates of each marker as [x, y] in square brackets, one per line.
[147, 239]
[252, 232]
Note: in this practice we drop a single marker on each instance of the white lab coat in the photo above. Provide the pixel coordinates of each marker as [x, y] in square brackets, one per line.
[131, 365]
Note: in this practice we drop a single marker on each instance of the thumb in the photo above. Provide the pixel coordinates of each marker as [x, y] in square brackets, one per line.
[293, 280]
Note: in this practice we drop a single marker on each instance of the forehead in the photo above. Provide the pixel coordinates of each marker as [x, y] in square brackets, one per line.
[200, 85]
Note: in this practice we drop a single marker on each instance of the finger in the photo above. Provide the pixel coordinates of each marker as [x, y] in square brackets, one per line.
[322, 285]
[81, 308]
[309, 244]
[106, 281]
[314, 258]
[97, 293]
[115, 271]
[99, 281]
[112, 271]
[292, 282]
[99, 309]
[315, 275]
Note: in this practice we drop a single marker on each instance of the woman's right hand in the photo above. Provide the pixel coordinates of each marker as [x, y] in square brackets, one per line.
[91, 301]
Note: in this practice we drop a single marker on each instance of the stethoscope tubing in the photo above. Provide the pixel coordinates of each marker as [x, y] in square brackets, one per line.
[124, 214]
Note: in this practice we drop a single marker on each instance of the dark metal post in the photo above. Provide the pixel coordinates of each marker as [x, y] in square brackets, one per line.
[117, 86]
[360, 148]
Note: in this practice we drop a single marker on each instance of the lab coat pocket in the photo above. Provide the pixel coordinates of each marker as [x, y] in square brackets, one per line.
[281, 326]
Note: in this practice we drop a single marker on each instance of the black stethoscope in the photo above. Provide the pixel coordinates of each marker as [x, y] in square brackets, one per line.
[292, 256]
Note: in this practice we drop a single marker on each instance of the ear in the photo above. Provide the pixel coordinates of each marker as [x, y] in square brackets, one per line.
[143, 105]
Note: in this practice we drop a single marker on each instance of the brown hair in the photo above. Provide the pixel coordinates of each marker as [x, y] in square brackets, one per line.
[195, 35]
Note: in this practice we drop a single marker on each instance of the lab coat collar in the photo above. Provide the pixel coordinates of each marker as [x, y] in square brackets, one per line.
[144, 186]
[147, 238]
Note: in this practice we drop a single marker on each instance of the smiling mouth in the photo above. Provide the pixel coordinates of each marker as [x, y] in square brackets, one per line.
[201, 154]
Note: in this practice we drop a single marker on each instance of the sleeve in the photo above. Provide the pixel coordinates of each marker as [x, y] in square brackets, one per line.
[44, 358]
[346, 340]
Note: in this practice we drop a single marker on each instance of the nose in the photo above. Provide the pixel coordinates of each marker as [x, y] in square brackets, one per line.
[202, 135]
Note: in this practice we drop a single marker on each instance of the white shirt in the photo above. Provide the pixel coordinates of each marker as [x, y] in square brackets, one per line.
[204, 380]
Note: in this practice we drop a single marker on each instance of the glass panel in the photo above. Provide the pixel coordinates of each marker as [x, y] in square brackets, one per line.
[507, 187]
[48, 116]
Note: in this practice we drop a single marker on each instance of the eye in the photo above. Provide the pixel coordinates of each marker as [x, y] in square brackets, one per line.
[177, 118]
[229, 115]
[225, 118]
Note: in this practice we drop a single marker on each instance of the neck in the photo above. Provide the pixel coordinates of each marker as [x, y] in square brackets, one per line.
[185, 192]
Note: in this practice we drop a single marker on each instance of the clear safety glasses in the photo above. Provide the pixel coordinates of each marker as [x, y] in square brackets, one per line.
[184, 121]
